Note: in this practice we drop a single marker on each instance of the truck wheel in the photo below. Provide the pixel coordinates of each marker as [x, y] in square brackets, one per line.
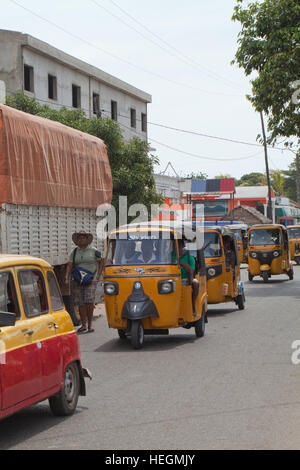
[265, 276]
[200, 325]
[137, 334]
[64, 403]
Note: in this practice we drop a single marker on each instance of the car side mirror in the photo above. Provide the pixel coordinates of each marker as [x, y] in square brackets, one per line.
[7, 319]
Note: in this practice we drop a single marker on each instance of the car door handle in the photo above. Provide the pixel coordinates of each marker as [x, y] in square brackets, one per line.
[28, 332]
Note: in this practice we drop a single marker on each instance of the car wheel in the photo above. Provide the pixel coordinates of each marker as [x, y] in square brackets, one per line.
[137, 334]
[65, 402]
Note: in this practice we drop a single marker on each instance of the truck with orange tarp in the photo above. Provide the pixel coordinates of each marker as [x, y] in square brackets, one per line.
[52, 179]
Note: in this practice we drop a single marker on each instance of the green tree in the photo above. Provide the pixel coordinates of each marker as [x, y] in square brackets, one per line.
[131, 165]
[198, 175]
[269, 48]
[278, 180]
[253, 179]
[290, 183]
[223, 176]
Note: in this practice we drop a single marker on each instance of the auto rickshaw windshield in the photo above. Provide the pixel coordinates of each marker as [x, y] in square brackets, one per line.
[265, 236]
[212, 245]
[294, 233]
[139, 248]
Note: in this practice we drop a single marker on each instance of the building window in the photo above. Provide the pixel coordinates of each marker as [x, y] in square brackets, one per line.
[133, 117]
[76, 96]
[52, 87]
[96, 104]
[28, 78]
[144, 122]
[114, 110]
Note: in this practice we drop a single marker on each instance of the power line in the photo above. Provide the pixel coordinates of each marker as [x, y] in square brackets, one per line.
[105, 111]
[161, 77]
[206, 157]
[210, 73]
[203, 157]
[178, 55]
[235, 141]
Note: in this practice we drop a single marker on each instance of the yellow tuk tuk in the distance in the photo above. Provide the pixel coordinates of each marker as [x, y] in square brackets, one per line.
[240, 232]
[223, 267]
[145, 288]
[294, 242]
[268, 252]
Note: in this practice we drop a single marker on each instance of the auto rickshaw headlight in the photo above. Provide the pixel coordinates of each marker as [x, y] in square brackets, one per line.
[111, 288]
[137, 285]
[166, 287]
[211, 272]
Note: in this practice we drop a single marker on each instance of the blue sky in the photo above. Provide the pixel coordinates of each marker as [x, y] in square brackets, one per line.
[187, 71]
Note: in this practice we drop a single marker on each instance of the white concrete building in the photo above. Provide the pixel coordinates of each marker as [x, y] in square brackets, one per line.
[170, 187]
[57, 79]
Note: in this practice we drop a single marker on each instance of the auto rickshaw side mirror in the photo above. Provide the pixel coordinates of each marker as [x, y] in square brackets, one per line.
[7, 319]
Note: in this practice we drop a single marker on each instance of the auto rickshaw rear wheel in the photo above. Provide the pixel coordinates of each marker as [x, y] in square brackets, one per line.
[137, 334]
[200, 325]
[240, 301]
[122, 334]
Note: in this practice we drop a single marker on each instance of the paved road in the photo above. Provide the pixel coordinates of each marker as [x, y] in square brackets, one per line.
[236, 388]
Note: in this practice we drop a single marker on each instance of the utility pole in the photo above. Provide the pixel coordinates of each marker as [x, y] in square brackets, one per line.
[269, 210]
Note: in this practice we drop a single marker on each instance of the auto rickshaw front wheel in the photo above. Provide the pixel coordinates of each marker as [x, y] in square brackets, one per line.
[137, 334]
[265, 276]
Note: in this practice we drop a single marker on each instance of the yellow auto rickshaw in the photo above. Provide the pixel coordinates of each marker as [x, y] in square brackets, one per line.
[145, 291]
[240, 232]
[223, 267]
[268, 252]
[294, 242]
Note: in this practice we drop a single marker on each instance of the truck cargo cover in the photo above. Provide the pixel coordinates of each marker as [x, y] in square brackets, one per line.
[45, 163]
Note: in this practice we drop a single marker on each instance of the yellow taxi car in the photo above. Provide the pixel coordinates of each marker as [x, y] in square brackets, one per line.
[39, 349]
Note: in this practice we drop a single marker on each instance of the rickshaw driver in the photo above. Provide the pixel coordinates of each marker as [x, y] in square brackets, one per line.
[229, 253]
[130, 255]
[230, 258]
[188, 266]
[147, 256]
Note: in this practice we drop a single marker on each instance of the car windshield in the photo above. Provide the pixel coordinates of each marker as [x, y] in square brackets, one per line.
[294, 232]
[265, 236]
[212, 245]
[141, 248]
